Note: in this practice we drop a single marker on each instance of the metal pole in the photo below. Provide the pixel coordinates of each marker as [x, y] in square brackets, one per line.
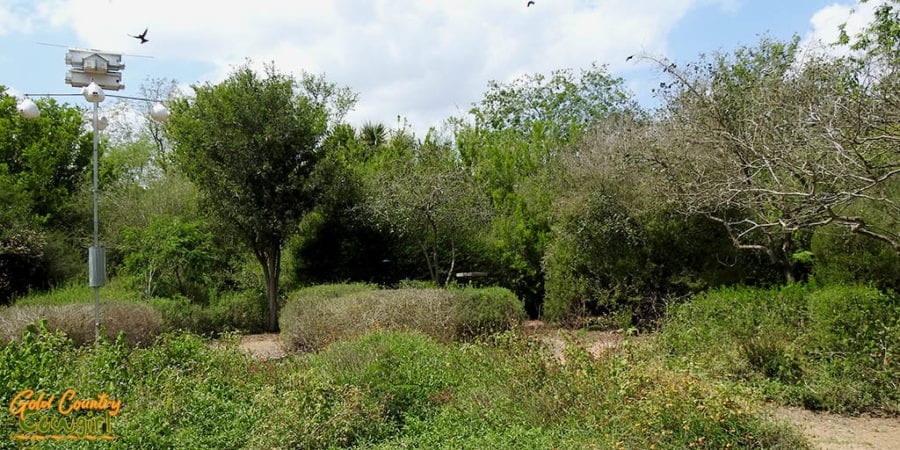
[96, 233]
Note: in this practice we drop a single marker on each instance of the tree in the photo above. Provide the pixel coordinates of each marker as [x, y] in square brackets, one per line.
[43, 163]
[512, 141]
[429, 198]
[252, 144]
[169, 256]
[46, 158]
[770, 142]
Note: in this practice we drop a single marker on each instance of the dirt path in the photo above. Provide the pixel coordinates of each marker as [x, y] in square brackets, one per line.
[833, 432]
[263, 346]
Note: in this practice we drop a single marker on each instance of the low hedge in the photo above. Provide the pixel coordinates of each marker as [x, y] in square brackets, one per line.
[314, 317]
[140, 323]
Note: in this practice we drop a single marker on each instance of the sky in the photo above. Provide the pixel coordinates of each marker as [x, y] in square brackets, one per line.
[420, 60]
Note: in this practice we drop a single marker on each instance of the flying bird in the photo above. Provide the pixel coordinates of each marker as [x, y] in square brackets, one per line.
[530, 2]
[629, 58]
[142, 36]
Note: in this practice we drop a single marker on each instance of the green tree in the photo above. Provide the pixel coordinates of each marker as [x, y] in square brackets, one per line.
[252, 144]
[512, 141]
[428, 198]
[47, 157]
[169, 256]
[43, 163]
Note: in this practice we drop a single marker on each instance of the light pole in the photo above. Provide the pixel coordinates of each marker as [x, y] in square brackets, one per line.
[93, 70]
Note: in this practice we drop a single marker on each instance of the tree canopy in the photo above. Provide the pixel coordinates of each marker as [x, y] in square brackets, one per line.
[252, 143]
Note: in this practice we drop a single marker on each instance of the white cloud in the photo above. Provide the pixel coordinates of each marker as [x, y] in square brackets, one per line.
[15, 17]
[826, 24]
[424, 60]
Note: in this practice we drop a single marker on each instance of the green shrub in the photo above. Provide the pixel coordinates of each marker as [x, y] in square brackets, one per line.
[832, 347]
[610, 258]
[507, 392]
[36, 359]
[314, 317]
[390, 390]
[481, 311]
[305, 409]
[139, 323]
[169, 256]
[244, 311]
[180, 314]
[844, 257]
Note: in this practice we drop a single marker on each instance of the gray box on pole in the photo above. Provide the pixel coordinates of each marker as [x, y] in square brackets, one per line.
[97, 266]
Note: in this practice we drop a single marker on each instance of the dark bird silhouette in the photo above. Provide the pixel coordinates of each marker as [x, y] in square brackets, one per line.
[142, 36]
[530, 2]
[629, 58]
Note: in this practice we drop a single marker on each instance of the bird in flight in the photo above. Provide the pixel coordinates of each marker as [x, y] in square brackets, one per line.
[530, 2]
[142, 36]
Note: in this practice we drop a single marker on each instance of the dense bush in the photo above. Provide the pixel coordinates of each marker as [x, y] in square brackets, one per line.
[844, 257]
[139, 323]
[314, 317]
[242, 311]
[169, 256]
[829, 347]
[608, 258]
[482, 311]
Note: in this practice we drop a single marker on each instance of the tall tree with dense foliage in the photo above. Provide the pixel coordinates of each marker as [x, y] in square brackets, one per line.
[43, 163]
[252, 143]
[45, 158]
[511, 141]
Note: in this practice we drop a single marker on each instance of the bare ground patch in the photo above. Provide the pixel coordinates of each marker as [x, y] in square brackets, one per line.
[833, 432]
[263, 346]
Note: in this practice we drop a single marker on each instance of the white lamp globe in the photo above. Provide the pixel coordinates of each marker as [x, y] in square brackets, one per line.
[159, 112]
[28, 109]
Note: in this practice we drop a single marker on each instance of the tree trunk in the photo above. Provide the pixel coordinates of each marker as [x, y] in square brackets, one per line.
[787, 266]
[270, 259]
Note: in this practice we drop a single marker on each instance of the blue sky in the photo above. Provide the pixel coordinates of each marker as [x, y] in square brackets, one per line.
[423, 60]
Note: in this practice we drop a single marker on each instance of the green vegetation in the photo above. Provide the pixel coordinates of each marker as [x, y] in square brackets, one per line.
[833, 348]
[748, 227]
[388, 390]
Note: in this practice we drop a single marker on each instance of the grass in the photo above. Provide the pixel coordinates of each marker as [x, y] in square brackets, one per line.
[115, 290]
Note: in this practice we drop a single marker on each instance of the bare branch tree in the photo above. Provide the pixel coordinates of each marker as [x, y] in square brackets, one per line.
[768, 142]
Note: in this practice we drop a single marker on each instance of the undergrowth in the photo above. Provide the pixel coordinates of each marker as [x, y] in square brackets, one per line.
[389, 390]
[833, 348]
